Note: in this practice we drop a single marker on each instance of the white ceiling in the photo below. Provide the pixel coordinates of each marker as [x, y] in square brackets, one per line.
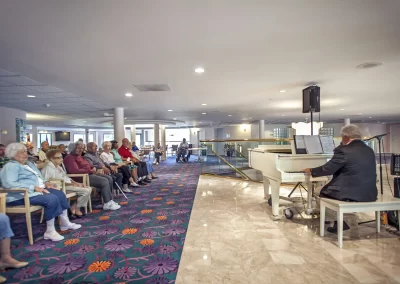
[96, 50]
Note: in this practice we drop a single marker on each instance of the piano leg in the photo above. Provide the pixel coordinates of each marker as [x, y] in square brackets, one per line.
[267, 191]
[275, 186]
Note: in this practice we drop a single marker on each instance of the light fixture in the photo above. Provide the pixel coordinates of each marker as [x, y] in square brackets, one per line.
[229, 114]
[282, 91]
[128, 95]
[203, 113]
[125, 117]
[283, 115]
[200, 122]
[84, 121]
[360, 113]
[170, 110]
[342, 109]
[370, 117]
[31, 96]
[199, 70]
[174, 118]
[203, 104]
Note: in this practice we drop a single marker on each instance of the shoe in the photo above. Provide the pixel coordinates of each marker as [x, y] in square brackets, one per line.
[111, 205]
[155, 177]
[157, 164]
[54, 236]
[71, 226]
[147, 180]
[126, 190]
[142, 183]
[19, 264]
[134, 184]
[333, 229]
[3, 279]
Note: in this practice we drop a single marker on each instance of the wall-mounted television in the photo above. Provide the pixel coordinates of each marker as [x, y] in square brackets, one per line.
[63, 136]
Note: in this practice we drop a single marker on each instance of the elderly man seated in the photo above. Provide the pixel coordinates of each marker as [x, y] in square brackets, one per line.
[20, 173]
[353, 167]
[149, 166]
[110, 172]
[76, 164]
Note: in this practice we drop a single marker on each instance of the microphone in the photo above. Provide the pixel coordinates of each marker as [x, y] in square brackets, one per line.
[376, 136]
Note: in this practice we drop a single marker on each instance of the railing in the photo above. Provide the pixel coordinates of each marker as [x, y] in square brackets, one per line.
[229, 157]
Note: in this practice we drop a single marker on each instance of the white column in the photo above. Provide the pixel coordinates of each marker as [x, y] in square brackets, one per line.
[119, 128]
[156, 134]
[34, 138]
[163, 141]
[261, 128]
[133, 134]
[86, 136]
[346, 121]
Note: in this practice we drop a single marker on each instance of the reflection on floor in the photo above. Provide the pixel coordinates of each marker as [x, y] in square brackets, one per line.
[231, 239]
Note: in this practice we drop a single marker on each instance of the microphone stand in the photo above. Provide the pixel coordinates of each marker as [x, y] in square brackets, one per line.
[379, 138]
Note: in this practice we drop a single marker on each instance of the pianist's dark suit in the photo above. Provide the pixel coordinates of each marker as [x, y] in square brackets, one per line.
[353, 168]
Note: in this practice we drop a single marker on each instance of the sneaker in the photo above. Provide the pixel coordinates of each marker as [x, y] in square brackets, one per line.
[157, 164]
[71, 226]
[154, 177]
[134, 184]
[111, 205]
[126, 190]
[53, 236]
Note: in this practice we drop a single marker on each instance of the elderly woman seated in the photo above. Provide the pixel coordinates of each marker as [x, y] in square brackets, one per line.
[76, 164]
[6, 260]
[20, 173]
[53, 170]
[108, 158]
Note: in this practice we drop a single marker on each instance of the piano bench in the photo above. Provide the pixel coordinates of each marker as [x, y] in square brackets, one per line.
[383, 203]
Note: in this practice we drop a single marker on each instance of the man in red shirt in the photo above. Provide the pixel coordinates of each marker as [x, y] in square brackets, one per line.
[126, 154]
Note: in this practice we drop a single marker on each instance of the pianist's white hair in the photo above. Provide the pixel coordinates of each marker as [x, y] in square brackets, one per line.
[352, 131]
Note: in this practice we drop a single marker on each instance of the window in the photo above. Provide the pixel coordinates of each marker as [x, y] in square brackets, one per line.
[44, 137]
[82, 136]
[108, 137]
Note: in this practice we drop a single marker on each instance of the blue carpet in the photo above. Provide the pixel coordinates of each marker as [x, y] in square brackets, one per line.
[140, 243]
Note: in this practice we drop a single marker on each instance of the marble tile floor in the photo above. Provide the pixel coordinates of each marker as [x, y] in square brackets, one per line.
[232, 239]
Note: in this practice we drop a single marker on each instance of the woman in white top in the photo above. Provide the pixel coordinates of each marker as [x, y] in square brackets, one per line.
[108, 158]
[53, 170]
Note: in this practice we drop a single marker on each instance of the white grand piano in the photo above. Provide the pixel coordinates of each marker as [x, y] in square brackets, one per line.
[278, 166]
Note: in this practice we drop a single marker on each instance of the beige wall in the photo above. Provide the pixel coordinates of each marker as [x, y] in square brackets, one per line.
[7, 123]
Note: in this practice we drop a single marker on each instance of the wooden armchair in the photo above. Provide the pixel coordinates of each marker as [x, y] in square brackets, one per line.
[86, 182]
[26, 209]
[3, 203]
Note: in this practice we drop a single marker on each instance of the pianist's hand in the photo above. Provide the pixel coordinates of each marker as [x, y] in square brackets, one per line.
[307, 171]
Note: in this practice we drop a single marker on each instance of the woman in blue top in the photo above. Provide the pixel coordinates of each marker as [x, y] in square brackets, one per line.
[20, 173]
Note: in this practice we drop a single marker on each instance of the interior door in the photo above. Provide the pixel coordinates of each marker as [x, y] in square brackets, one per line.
[395, 138]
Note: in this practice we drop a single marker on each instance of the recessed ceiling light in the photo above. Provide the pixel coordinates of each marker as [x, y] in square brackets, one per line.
[283, 115]
[31, 96]
[128, 95]
[360, 113]
[84, 121]
[369, 65]
[125, 117]
[342, 109]
[200, 122]
[229, 114]
[174, 118]
[199, 70]
[203, 104]
[170, 110]
[203, 113]
[370, 117]
[282, 91]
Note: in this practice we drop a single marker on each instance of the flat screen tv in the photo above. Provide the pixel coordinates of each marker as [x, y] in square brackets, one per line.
[63, 136]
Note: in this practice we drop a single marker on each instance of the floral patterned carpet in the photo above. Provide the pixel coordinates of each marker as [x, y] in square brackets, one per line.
[140, 243]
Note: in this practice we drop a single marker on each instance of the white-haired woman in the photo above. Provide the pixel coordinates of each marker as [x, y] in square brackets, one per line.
[108, 158]
[20, 173]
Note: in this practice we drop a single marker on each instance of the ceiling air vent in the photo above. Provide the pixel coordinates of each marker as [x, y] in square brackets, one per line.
[153, 87]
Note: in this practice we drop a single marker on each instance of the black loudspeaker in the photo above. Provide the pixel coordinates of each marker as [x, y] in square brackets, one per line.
[395, 164]
[311, 99]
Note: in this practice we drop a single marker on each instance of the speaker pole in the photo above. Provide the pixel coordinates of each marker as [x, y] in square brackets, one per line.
[312, 132]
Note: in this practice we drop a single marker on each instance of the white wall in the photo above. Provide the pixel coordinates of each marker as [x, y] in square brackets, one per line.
[7, 123]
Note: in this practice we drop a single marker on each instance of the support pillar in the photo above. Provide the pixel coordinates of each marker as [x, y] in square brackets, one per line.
[119, 128]
[261, 128]
[34, 139]
[133, 134]
[163, 142]
[156, 134]
[86, 136]
[346, 121]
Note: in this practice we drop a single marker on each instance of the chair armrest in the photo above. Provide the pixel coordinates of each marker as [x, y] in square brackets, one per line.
[20, 190]
[59, 182]
[3, 202]
[85, 178]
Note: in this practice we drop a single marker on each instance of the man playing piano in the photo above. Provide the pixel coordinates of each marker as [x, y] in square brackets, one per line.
[353, 167]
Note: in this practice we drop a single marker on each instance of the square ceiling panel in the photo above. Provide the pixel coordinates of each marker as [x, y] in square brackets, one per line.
[16, 90]
[64, 95]
[4, 84]
[46, 89]
[21, 81]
